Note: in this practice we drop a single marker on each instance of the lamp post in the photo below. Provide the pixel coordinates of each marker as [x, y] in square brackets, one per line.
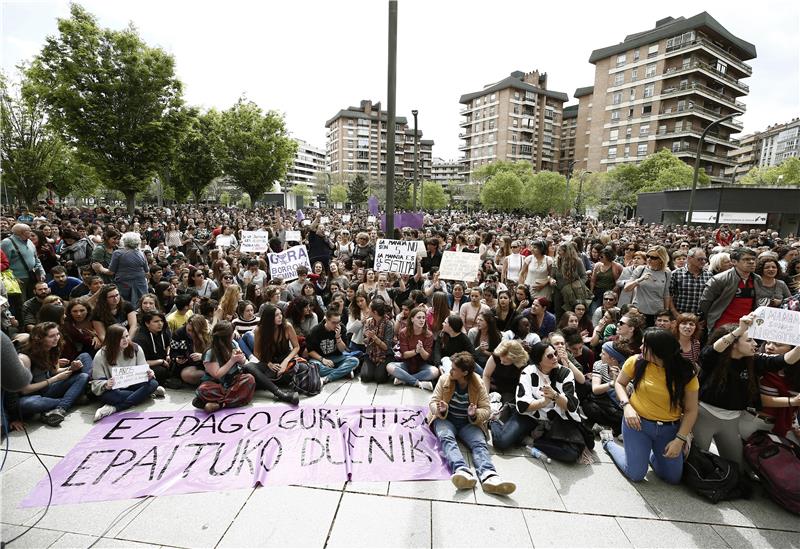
[390, 122]
[414, 113]
[697, 160]
[570, 166]
[580, 192]
[722, 189]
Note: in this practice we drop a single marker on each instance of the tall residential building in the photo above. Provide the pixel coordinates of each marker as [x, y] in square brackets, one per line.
[569, 128]
[767, 148]
[357, 144]
[514, 119]
[446, 171]
[662, 87]
[582, 132]
[308, 160]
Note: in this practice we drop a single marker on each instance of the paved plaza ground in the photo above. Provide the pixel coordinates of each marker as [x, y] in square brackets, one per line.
[555, 505]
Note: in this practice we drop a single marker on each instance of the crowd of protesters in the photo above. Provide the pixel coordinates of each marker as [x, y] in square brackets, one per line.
[572, 329]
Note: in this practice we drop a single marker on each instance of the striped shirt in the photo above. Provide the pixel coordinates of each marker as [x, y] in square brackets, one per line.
[244, 326]
[459, 402]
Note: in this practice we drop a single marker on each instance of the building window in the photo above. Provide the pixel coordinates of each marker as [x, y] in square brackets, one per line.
[652, 51]
[514, 122]
[616, 99]
[635, 55]
[612, 153]
[626, 153]
[721, 67]
[613, 135]
[634, 74]
[620, 60]
[647, 109]
[650, 71]
[662, 129]
[619, 78]
[641, 149]
[644, 130]
[516, 95]
[676, 146]
[493, 97]
[615, 115]
[628, 132]
[633, 94]
[649, 90]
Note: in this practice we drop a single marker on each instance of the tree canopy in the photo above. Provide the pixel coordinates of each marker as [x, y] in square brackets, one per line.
[785, 173]
[357, 190]
[433, 196]
[338, 194]
[199, 154]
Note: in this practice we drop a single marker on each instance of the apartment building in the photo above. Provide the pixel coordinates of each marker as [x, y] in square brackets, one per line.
[662, 87]
[582, 131]
[767, 148]
[514, 119]
[308, 160]
[569, 127]
[356, 144]
[446, 171]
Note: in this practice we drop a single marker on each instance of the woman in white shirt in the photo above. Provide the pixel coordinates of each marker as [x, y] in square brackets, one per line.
[512, 265]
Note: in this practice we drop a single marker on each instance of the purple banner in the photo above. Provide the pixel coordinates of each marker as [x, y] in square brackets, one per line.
[133, 455]
[413, 220]
[300, 215]
[372, 204]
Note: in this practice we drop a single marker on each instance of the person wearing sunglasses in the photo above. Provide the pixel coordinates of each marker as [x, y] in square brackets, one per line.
[650, 284]
[546, 393]
[660, 413]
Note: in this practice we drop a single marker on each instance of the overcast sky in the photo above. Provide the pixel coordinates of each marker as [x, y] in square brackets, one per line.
[308, 59]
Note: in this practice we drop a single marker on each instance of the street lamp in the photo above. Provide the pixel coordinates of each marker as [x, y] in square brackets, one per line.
[391, 95]
[580, 192]
[697, 160]
[414, 113]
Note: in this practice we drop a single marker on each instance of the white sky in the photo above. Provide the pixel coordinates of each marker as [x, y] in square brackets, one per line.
[308, 59]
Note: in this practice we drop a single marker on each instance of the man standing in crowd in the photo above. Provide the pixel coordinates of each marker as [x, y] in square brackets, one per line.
[688, 282]
[734, 293]
[21, 254]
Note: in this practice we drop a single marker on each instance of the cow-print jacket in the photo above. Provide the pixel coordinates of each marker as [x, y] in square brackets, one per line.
[531, 381]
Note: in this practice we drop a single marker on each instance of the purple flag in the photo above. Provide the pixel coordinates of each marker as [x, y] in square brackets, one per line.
[413, 220]
[299, 215]
[131, 455]
[372, 203]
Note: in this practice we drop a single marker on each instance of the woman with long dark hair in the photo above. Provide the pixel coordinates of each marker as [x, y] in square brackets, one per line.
[661, 411]
[485, 337]
[119, 350]
[112, 309]
[189, 344]
[542, 321]
[729, 373]
[225, 383]
[275, 352]
[378, 337]
[504, 311]
[165, 295]
[78, 332]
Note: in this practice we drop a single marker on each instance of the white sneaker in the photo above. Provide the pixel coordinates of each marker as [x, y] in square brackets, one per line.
[463, 479]
[427, 385]
[160, 392]
[104, 411]
[493, 484]
[605, 437]
[323, 381]
[397, 381]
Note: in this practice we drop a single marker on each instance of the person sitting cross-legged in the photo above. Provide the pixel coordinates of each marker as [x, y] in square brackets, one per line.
[327, 350]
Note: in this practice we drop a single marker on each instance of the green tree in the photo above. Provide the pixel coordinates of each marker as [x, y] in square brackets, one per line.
[522, 169]
[545, 192]
[402, 193]
[198, 154]
[433, 196]
[502, 191]
[115, 99]
[30, 150]
[71, 177]
[357, 190]
[663, 170]
[786, 173]
[338, 194]
[257, 148]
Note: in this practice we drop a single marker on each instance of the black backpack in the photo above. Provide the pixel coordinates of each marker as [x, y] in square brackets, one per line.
[713, 477]
[305, 378]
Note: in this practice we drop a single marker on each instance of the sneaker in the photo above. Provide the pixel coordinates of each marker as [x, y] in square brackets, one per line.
[493, 484]
[160, 392]
[397, 381]
[427, 385]
[104, 411]
[323, 381]
[173, 383]
[597, 429]
[54, 417]
[198, 402]
[606, 437]
[463, 479]
[352, 374]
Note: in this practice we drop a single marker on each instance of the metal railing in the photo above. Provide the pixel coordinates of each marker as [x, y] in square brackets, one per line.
[695, 86]
[728, 56]
[702, 110]
[697, 64]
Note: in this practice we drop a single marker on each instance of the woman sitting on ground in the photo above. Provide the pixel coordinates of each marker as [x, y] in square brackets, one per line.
[503, 369]
[187, 348]
[687, 331]
[378, 338]
[57, 382]
[459, 409]
[542, 321]
[452, 340]
[78, 331]
[416, 348]
[118, 350]
[602, 406]
[154, 339]
[661, 411]
[485, 337]
[275, 352]
[112, 309]
[225, 384]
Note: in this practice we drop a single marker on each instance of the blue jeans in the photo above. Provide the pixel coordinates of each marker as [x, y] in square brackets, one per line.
[60, 394]
[508, 434]
[647, 446]
[122, 399]
[342, 366]
[446, 431]
[247, 343]
[425, 373]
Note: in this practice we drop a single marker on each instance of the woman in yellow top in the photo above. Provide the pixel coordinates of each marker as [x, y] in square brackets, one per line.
[661, 411]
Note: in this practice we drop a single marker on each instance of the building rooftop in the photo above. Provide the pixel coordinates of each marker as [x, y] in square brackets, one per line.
[586, 90]
[365, 112]
[668, 27]
[570, 112]
[514, 80]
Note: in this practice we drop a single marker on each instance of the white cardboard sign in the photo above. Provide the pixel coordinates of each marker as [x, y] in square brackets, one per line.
[459, 266]
[778, 325]
[254, 241]
[397, 256]
[125, 376]
[293, 236]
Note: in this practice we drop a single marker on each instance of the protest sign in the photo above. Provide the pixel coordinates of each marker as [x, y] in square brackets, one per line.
[778, 325]
[254, 241]
[370, 219]
[223, 241]
[345, 218]
[125, 376]
[397, 256]
[284, 265]
[306, 222]
[324, 220]
[131, 455]
[293, 236]
[459, 266]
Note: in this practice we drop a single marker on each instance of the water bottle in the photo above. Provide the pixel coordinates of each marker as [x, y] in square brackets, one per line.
[538, 454]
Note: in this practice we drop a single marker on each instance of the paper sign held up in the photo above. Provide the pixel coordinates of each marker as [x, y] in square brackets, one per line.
[254, 241]
[459, 266]
[284, 265]
[346, 218]
[293, 236]
[778, 325]
[397, 256]
[125, 376]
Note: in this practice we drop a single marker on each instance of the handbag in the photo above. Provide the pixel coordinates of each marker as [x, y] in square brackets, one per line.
[32, 274]
[10, 282]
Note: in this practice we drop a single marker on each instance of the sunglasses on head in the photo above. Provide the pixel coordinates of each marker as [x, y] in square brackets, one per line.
[550, 356]
[654, 257]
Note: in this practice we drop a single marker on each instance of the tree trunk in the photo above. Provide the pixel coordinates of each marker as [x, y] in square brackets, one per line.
[130, 199]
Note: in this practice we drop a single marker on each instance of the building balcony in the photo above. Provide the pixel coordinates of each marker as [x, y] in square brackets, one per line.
[696, 64]
[668, 112]
[690, 151]
[695, 87]
[703, 42]
[712, 137]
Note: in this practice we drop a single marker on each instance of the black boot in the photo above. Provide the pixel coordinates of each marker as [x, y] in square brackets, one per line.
[287, 396]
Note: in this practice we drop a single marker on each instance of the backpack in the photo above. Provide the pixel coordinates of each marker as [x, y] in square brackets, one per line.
[305, 378]
[776, 460]
[80, 253]
[714, 477]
